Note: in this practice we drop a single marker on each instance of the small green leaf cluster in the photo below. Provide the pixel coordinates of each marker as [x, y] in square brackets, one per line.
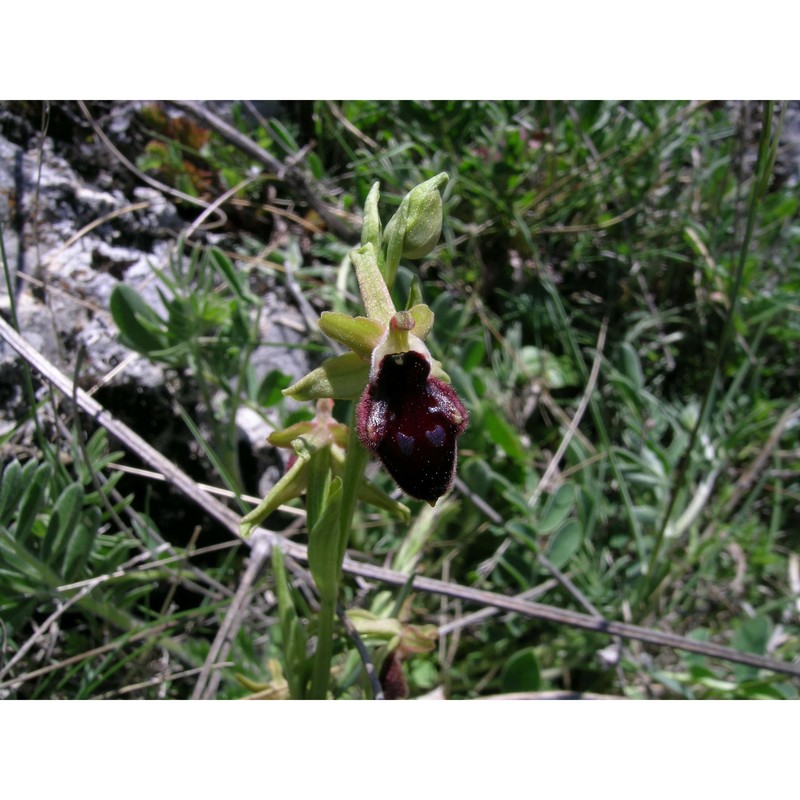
[208, 329]
[57, 537]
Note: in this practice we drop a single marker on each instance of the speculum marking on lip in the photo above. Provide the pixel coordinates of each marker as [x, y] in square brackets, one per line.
[406, 443]
[436, 436]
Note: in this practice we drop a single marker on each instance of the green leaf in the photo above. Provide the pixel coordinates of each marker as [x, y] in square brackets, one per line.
[563, 546]
[270, 392]
[372, 495]
[751, 637]
[521, 672]
[760, 690]
[318, 482]
[80, 544]
[62, 523]
[293, 633]
[557, 509]
[282, 135]
[555, 371]
[523, 532]
[114, 558]
[96, 447]
[232, 275]
[632, 366]
[323, 546]
[505, 436]
[9, 490]
[474, 355]
[136, 320]
[32, 501]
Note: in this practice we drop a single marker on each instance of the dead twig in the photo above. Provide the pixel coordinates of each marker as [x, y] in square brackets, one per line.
[206, 683]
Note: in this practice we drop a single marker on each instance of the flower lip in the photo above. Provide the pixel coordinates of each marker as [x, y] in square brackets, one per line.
[411, 421]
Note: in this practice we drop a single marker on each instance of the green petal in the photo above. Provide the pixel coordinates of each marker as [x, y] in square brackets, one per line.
[342, 378]
[423, 318]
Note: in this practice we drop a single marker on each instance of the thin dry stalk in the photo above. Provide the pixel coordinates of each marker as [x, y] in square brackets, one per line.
[207, 684]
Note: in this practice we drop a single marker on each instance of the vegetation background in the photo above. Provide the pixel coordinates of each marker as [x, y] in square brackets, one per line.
[616, 300]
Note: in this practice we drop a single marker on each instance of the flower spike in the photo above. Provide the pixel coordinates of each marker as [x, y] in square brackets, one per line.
[407, 415]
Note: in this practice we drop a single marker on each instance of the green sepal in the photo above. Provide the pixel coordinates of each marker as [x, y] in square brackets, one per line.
[359, 334]
[393, 633]
[291, 485]
[374, 292]
[376, 630]
[319, 438]
[342, 378]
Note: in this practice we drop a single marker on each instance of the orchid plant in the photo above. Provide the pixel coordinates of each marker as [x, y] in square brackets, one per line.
[406, 413]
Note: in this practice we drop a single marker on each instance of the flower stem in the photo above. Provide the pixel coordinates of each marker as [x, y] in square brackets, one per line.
[321, 675]
[357, 458]
[355, 463]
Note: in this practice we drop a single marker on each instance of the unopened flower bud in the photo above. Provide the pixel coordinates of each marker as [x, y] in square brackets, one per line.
[420, 215]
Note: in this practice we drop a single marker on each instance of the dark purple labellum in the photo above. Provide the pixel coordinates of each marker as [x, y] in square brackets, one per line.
[393, 680]
[412, 420]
